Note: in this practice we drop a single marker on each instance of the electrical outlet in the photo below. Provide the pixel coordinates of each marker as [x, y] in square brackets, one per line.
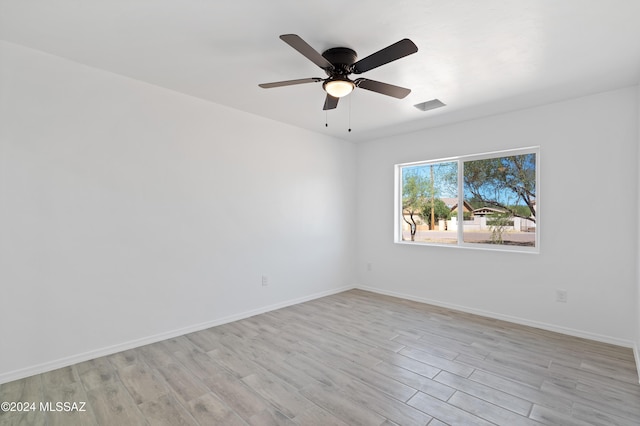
[561, 296]
[265, 280]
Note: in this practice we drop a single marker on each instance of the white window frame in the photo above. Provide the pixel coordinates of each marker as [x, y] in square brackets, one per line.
[398, 216]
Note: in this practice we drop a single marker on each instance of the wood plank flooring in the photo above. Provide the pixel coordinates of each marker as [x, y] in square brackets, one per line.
[355, 358]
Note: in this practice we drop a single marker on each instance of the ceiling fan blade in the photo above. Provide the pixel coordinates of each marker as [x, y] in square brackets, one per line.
[383, 88]
[330, 102]
[391, 53]
[307, 51]
[289, 82]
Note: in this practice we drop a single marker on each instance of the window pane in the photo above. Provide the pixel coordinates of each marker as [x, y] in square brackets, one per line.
[429, 203]
[500, 194]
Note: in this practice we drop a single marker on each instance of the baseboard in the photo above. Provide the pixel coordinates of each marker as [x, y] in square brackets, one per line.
[86, 356]
[508, 318]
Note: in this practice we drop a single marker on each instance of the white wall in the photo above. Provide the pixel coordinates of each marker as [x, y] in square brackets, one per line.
[129, 212]
[637, 342]
[588, 163]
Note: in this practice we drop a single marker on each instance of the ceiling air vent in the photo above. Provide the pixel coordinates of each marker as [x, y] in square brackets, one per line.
[432, 104]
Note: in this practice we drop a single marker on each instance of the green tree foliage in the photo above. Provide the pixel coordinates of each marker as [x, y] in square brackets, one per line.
[521, 211]
[415, 191]
[440, 209]
[421, 186]
[507, 183]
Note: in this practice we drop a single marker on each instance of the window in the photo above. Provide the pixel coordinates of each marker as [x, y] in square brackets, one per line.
[482, 201]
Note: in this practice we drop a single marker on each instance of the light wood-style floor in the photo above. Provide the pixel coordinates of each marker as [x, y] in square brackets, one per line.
[355, 358]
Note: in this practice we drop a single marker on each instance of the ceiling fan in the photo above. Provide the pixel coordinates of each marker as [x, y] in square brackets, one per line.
[340, 62]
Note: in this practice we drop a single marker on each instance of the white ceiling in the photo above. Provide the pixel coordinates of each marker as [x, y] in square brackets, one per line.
[478, 57]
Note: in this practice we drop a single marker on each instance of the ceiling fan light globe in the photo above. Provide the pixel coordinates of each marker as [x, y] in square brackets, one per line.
[338, 88]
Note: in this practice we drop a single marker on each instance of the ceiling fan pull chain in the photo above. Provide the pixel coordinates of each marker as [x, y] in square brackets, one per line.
[350, 97]
[326, 118]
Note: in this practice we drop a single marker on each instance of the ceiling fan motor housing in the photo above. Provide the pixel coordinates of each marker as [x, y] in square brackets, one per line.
[342, 58]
